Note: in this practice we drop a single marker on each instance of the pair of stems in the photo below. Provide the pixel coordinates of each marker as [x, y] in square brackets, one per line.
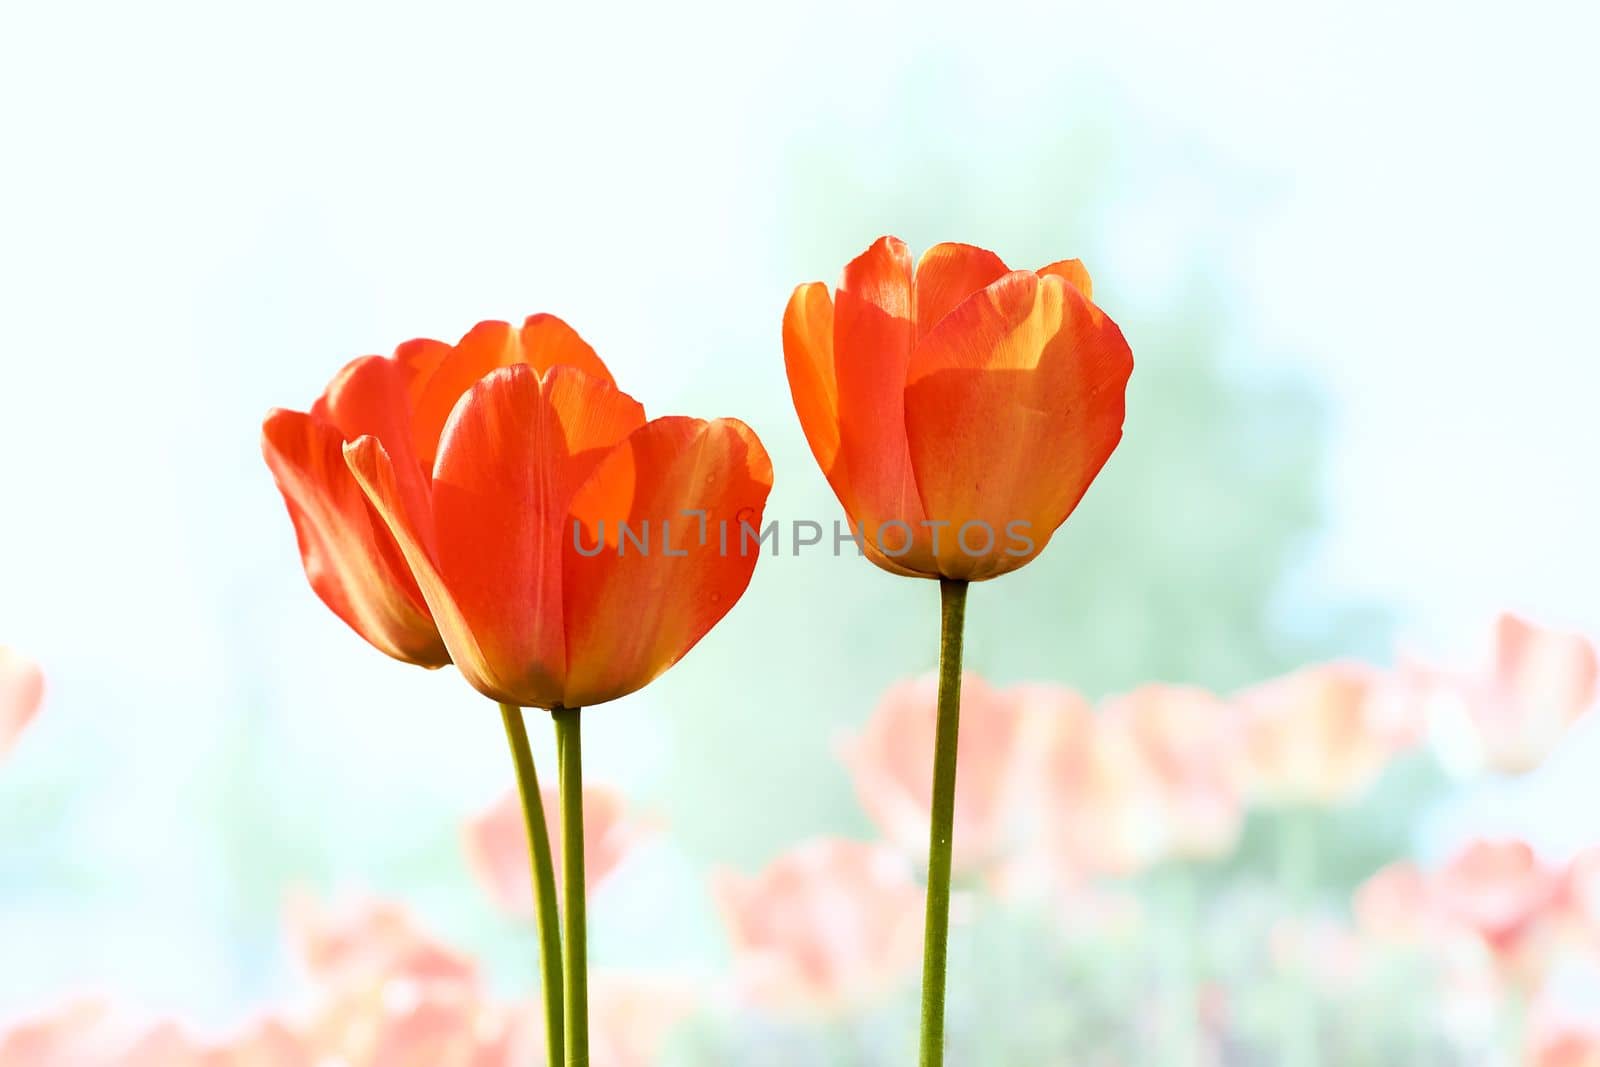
[565, 979]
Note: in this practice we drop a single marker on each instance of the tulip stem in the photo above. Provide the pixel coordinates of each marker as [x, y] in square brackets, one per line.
[936, 932]
[544, 880]
[569, 758]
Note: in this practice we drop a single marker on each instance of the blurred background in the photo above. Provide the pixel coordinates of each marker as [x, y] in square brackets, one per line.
[1351, 246]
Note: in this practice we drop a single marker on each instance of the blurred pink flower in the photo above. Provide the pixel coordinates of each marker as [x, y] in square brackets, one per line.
[80, 1034]
[1569, 1044]
[1094, 800]
[1502, 892]
[1406, 699]
[1396, 904]
[497, 845]
[388, 995]
[269, 1044]
[1313, 737]
[631, 1017]
[1543, 680]
[1564, 1020]
[825, 927]
[1192, 743]
[891, 763]
[90, 1034]
[365, 942]
[1582, 901]
[21, 691]
[406, 1023]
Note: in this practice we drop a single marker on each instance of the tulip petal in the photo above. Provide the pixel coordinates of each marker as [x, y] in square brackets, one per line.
[1014, 403]
[352, 562]
[1074, 273]
[544, 341]
[418, 359]
[631, 613]
[374, 472]
[947, 274]
[873, 333]
[808, 359]
[21, 692]
[513, 453]
[370, 396]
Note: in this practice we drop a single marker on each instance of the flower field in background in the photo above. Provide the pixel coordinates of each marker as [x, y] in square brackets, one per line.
[1142, 880]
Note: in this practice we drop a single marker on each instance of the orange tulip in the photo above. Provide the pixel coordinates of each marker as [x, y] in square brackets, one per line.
[499, 503]
[959, 409]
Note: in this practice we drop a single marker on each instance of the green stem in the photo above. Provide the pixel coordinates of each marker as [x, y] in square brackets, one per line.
[936, 932]
[569, 758]
[544, 879]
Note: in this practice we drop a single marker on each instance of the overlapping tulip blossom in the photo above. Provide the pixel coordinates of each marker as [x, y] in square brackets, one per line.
[959, 408]
[467, 503]
[828, 925]
[891, 764]
[496, 844]
[500, 504]
[21, 692]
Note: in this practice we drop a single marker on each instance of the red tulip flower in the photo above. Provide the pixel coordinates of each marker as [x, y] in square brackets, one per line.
[501, 504]
[959, 408]
[469, 503]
